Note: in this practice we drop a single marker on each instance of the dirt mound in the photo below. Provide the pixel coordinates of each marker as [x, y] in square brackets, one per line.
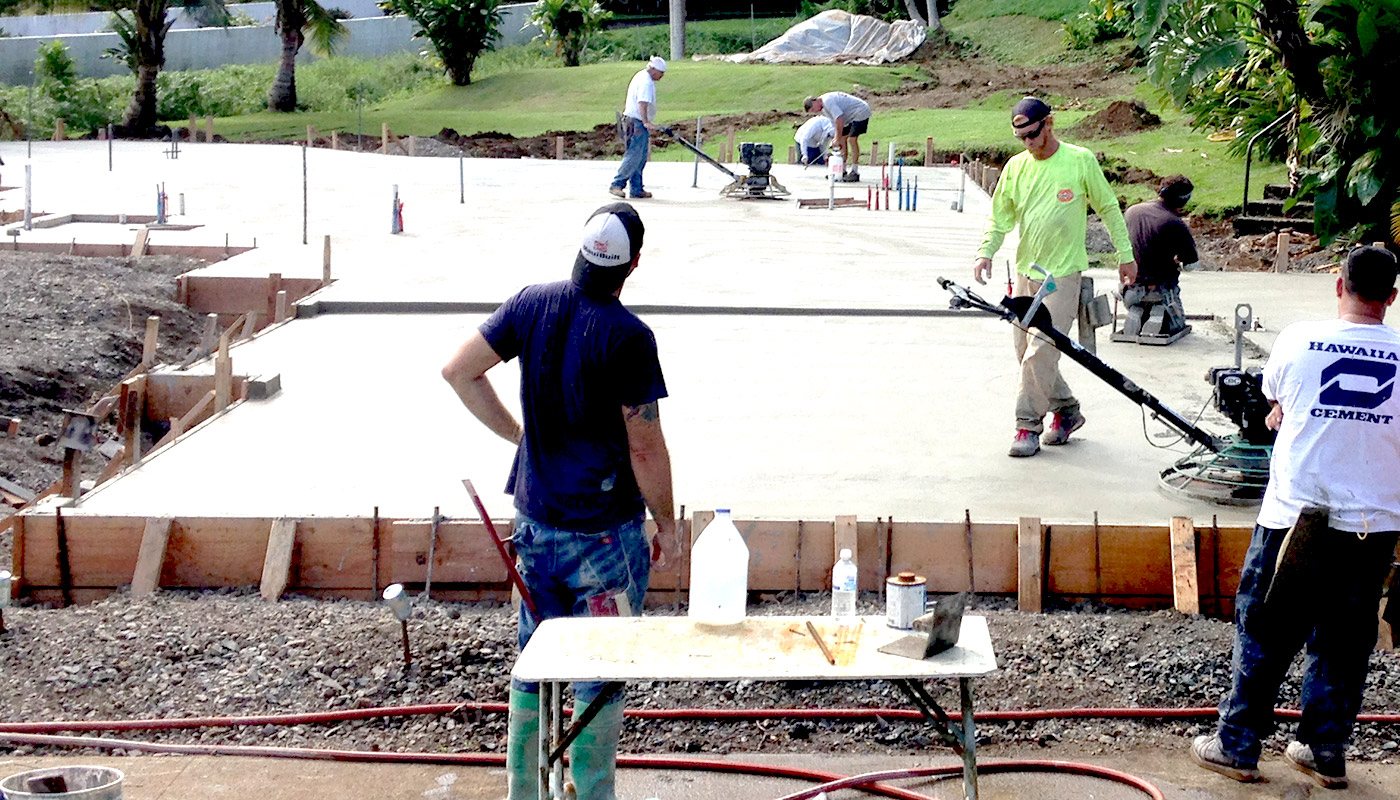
[73, 326]
[1119, 119]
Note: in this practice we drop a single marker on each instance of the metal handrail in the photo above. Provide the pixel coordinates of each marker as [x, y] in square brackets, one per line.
[1249, 155]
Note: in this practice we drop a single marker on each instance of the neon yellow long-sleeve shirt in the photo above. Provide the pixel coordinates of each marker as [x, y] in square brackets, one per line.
[1047, 199]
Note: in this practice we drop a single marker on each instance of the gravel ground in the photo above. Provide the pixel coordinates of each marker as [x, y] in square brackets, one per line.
[224, 653]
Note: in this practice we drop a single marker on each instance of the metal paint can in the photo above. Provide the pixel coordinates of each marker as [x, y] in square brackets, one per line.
[906, 596]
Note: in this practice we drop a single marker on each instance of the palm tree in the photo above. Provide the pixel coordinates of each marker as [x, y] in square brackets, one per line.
[142, 25]
[143, 34]
[298, 20]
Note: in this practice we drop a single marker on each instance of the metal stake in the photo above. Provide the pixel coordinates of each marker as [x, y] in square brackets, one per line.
[695, 179]
[28, 197]
[304, 206]
[461, 178]
[111, 130]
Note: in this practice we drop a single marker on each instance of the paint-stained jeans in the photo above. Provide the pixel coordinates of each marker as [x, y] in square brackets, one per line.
[580, 575]
[1042, 389]
[634, 158]
[1339, 633]
[1175, 314]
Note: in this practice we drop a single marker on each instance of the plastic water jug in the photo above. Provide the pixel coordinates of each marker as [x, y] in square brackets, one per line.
[719, 573]
[843, 587]
[836, 163]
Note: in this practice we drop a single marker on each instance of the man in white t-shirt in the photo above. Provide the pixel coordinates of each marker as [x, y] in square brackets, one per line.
[850, 117]
[1332, 388]
[639, 118]
[811, 139]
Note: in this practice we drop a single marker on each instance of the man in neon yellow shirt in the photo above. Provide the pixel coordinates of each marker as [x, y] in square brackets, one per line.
[1045, 192]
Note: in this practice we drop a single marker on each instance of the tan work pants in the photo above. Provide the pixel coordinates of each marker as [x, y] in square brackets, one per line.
[1042, 389]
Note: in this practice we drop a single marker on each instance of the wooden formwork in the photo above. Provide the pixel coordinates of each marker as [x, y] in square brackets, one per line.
[1125, 565]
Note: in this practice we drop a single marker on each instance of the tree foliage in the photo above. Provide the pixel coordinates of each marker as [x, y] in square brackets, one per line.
[568, 25]
[1328, 65]
[459, 30]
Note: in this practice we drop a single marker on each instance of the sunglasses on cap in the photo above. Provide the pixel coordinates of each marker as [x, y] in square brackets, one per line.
[1031, 134]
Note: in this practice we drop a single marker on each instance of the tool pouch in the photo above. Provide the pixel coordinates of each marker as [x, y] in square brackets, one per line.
[623, 128]
[1308, 563]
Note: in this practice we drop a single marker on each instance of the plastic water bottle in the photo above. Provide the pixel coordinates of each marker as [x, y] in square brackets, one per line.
[843, 587]
[719, 573]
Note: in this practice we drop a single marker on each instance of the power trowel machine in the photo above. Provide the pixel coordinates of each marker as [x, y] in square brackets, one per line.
[758, 157]
[1229, 470]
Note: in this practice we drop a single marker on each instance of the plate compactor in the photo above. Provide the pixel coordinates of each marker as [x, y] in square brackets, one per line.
[1228, 470]
[758, 157]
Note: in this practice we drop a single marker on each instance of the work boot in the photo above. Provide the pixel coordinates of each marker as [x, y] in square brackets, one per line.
[852, 176]
[642, 195]
[1061, 427]
[1329, 773]
[1027, 443]
[523, 746]
[616, 191]
[593, 755]
[1209, 752]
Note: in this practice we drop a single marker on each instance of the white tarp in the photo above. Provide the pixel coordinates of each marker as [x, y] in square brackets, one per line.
[839, 37]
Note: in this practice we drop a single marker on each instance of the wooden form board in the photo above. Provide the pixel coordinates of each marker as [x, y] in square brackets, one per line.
[464, 553]
[1131, 565]
[202, 552]
[173, 395]
[231, 294]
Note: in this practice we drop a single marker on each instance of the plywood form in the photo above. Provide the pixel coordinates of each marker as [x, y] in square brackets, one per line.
[1186, 594]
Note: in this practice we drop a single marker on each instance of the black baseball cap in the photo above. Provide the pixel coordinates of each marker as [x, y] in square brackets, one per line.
[1029, 111]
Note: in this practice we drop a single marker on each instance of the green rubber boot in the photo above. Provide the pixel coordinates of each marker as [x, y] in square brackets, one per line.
[523, 746]
[593, 755]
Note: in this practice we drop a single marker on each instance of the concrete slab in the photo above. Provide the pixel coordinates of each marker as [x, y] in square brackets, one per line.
[774, 415]
[174, 777]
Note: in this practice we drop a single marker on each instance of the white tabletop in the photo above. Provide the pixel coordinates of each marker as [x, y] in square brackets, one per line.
[759, 648]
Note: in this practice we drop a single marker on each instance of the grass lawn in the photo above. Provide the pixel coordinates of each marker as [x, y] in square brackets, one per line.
[532, 102]
[522, 92]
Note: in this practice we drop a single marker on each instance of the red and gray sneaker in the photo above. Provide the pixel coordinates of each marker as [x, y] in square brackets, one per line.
[1027, 443]
[1062, 426]
[1329, 773]
[1209, 752]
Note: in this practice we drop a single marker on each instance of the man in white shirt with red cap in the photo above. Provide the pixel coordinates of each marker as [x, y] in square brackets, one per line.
[638, 117]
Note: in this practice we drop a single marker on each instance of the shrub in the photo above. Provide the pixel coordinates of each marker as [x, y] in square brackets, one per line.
[568, 25]
[460, 30]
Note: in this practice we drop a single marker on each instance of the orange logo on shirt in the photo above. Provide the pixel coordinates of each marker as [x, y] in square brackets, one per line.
[1065, 195]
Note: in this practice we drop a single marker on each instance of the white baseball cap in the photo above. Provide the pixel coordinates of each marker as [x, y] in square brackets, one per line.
[657, 63]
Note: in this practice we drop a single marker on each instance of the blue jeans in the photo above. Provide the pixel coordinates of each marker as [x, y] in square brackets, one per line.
[634, 159]
[813, 155]
[580, 575]
[1338, 631]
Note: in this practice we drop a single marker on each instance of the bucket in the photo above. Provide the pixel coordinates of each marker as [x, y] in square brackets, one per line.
[906, 596]
[88, 783]
[719, 573]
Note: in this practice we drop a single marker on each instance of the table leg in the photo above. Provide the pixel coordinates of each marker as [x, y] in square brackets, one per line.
[546, 726]
[969, 733]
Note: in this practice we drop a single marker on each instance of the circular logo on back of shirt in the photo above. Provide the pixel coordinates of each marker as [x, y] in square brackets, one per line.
[1065, 195]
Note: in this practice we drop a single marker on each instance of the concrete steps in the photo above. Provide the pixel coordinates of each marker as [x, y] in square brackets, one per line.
[1270, 214]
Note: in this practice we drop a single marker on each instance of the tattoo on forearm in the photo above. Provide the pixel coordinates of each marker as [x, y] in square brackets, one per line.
[649, 412]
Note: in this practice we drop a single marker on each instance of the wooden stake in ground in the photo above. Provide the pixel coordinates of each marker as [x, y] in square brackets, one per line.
[1186, 595]
[154, 539]
[277, 564]
[1281, 254]
[1030, 549]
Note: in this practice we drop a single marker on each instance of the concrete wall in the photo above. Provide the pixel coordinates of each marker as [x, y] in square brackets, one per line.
[207, 48]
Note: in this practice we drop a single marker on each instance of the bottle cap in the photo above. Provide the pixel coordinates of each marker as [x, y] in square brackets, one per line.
[845, 554]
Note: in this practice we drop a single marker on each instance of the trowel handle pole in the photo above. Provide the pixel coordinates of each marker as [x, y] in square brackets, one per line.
[515, 578]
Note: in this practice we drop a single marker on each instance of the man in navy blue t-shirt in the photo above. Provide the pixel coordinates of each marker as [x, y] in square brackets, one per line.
[591, 460]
